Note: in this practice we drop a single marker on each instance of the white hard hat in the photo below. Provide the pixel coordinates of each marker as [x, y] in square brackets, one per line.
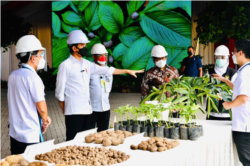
[158, 51]
[76, 37]
[98, 49]
[28, 43]
[221, 50]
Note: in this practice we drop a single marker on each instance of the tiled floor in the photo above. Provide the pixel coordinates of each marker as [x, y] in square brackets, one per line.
[57, 128]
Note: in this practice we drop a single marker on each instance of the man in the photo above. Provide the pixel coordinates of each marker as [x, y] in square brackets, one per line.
[191, 66]
[28, 116]
[100, 87]
[160, 73]
[240, 104]
[72, 86]
[221, 68]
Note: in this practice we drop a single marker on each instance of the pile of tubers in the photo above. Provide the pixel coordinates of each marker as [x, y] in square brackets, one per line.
[80, 155]
[109, 137]
[156, 144]
[15, 160]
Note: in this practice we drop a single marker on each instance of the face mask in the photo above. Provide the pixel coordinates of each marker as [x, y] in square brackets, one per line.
[102, 60]
[41, 64]
[83, 51]
[161, 63]
[234, 59]
[221, 62]
[190, 53]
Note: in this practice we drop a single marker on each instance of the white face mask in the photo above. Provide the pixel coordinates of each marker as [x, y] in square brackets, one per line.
[41, 64]
[234, 59]
[161, 63]
[101, 62]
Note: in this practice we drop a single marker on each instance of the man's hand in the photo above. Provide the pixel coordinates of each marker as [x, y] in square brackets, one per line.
[226, 105]
[133, 72]
[61, 103]
[46, 124]
[218, 77]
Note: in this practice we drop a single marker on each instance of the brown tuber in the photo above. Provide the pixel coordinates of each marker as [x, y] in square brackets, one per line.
[134, 147]
[89, 139]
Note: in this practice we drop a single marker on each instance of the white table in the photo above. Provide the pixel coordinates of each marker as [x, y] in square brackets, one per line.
[214, 148]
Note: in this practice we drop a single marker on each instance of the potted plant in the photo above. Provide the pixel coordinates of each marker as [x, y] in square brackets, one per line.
[136, 125]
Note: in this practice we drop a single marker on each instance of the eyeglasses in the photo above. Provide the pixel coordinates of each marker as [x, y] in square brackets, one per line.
[220, 57]
[161, 58]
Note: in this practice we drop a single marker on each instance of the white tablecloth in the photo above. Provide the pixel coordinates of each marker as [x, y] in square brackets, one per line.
[215, 148]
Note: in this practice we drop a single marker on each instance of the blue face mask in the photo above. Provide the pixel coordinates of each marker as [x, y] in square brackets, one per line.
[221, 62]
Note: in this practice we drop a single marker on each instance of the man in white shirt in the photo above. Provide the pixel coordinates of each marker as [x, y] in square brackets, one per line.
[100, 87]
[28, 116]
[72, 86]
[241, 101]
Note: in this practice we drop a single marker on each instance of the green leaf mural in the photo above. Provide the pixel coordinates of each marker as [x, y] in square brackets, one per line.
[59, 5]
[138, 55]
[72, 18]
[167, 28]
[61, 50]
[119, 51]
[129, 35]
[91, 16]
[133, 6]
[130, 42]
[68, 28]
[81, 4]
[169, 5]
[111, 16]
[56, 26]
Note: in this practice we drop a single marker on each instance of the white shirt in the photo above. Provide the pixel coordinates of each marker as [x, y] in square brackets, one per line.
[72, 85]
[99, 94]
[25, 89]
[241, 114]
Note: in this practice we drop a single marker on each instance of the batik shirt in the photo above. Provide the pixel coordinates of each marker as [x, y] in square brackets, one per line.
[155, 77]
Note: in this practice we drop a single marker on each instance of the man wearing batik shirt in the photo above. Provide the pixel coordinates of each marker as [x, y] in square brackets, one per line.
[159, 74]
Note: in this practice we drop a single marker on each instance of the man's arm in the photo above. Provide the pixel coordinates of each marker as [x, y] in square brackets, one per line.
[183, 69]
[223, 79]
[61, 103]
[124, 71]
[144, 86]
[42, 109]
[200, 72]
[238, 101]
[61, 84]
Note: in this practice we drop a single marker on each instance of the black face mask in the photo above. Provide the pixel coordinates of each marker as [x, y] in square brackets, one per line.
[83, 51]
[190, 53]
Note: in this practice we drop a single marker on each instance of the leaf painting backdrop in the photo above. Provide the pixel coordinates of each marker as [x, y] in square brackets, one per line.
[128, 29]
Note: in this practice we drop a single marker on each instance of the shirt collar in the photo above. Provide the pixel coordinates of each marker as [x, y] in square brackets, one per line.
[74, 60]
[28, 66]
[243, 66]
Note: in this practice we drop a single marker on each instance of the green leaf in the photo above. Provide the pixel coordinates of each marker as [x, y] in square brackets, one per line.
[169, 5]
[175, 56]
[81, 4]
[72, 5]
[181, 91]
[214, 106]
[60, 52]
[129, 35]
[91, 16]
[167, 28]
[55, 72]
[59, 5]
[133, 6]
[72, 18]
[111, 16]
[56, 26]
[138, 55]
[119, 51]
[68, 28]
[105, 35]
[208, 107]
[180, 99]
